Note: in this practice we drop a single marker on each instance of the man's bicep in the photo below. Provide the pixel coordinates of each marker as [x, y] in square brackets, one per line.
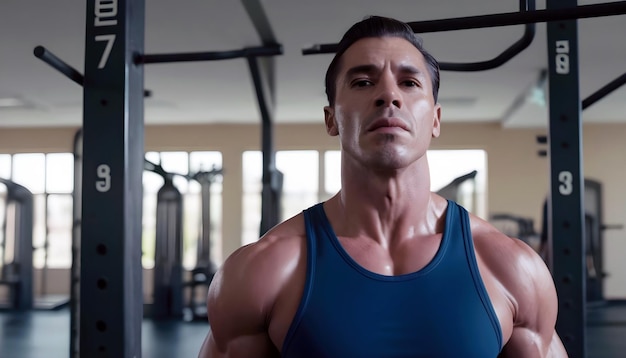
[209, 348]
[557, 350]
[244, 346]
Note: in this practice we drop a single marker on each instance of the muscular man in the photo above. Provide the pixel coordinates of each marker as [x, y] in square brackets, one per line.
[385, 268]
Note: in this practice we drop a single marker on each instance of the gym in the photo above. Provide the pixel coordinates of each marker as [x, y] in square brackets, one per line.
[215, 109]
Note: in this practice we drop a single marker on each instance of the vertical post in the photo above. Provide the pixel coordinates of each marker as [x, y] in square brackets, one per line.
[263, 80]
[566, 174]
[113, 150]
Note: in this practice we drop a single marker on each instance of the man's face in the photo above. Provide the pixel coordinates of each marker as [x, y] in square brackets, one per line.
[384, 111]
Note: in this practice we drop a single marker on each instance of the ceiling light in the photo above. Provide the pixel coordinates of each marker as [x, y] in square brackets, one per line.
[12, 102]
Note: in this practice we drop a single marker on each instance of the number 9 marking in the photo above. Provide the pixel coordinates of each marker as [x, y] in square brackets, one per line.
[566, 186]
[104, 173]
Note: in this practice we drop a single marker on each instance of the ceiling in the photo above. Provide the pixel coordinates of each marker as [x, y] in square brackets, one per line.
[222, 92]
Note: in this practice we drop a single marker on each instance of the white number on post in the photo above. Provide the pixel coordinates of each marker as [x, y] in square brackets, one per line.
[105, 12]
[104, 174]
[562, 57]
[110, 39]
[566, 186]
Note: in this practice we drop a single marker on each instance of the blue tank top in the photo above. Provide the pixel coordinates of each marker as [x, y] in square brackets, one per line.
[347, 311]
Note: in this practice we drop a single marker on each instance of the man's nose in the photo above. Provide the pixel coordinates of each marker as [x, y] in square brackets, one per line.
[388, 94]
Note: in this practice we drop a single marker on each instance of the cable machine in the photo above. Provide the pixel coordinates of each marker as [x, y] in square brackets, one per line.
[16, 263]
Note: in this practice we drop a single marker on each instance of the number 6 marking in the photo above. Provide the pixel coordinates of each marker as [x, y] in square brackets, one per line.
[104, 173]
[566, 186]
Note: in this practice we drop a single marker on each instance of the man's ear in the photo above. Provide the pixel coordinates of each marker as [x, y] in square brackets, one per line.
[329, 119]
[436, 121]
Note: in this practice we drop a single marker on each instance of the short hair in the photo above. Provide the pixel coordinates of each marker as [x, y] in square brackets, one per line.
[378, 26]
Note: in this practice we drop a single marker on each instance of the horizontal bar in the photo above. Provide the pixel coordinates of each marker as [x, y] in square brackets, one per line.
[518, 18]
[504, 19]
[58, 64]
[270, 50]
[69, 71]
[602, 92]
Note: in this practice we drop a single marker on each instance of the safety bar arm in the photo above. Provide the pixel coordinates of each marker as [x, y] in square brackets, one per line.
[70, 72]
[58, 64]
[602, 92]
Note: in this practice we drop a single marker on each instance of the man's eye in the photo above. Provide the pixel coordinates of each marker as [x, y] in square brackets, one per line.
[361, 83]
[411, 83]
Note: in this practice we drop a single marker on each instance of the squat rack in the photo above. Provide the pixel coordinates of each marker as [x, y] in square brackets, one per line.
[566, 210]
[111, 297]
[113, 152]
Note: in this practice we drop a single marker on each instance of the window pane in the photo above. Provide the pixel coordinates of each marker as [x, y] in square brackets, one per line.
[300, 169]
[300, 182]
[176, 163]
[204, 161]
[148, 236]
[29, 171]
[60, 173]
[252, 172]
[3, 213]
[39, 230]
[5, 166]
[251, 218]
[446, 165]
[332, 172]
[209, 163]
[152, 182]
[60, 231]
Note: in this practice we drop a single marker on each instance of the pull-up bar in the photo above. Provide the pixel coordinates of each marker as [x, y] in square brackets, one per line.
[269, 50]
[498, 20]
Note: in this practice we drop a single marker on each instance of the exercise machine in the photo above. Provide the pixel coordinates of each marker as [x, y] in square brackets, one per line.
[16, 246]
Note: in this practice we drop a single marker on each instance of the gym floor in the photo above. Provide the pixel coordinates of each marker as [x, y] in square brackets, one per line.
[37, 334]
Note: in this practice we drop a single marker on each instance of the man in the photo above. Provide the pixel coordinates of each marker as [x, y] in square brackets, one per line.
[385, 268]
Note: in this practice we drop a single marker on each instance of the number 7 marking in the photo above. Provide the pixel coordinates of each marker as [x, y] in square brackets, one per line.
[110, 39]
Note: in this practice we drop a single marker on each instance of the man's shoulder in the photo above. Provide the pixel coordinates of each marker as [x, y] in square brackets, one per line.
[279, 246]
[252, 277]
[512, 262]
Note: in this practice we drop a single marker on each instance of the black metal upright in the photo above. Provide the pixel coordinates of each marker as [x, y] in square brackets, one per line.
[113, 152]
[262, 71]
[566, 200]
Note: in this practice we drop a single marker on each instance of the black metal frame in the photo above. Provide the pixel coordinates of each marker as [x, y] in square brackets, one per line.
[106, 97]
[112, 137]
[565, 207]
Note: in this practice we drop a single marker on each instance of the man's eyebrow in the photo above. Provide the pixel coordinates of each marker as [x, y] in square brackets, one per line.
[409, 70]
[370, 69]
[360, 69]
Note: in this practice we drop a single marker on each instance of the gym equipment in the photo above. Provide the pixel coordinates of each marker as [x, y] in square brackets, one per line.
[451, 191]
[112, 178]
[17, 246]
[202, 274]
[168, 255]
[113, 118]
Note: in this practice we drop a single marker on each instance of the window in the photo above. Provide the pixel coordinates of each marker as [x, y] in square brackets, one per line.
[445, 166]
[49, 177]
[300, 186]
[205, 167]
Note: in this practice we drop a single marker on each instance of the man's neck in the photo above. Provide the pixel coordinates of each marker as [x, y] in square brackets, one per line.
[385, 206]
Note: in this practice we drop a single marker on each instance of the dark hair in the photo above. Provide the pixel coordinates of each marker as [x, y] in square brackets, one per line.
[377, 26]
